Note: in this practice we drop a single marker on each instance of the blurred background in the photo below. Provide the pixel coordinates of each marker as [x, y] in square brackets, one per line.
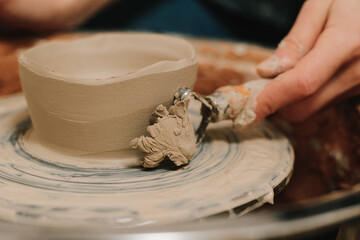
[261, 21]
[326, 145]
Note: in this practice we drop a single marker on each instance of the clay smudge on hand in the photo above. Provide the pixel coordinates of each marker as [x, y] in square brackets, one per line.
[171, 135]
[247, 115]
[237, 103]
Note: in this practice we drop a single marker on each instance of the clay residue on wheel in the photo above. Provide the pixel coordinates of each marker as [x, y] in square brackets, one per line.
[171, 136]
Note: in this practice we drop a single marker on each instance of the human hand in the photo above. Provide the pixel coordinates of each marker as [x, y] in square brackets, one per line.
[316, 63]
[45, 15]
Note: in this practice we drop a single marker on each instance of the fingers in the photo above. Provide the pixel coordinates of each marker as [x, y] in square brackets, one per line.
[345, 83]
[309, 74]
[308, 26]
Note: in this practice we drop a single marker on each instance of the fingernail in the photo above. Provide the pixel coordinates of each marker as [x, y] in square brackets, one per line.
[269, 67]
[273, 66]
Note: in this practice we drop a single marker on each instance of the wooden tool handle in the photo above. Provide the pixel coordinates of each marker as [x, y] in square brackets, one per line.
[229, 101]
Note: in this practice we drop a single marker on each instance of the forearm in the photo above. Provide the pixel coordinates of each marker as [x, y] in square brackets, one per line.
[45, 16]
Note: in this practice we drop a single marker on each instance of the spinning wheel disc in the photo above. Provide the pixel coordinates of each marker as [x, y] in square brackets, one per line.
[232, 171]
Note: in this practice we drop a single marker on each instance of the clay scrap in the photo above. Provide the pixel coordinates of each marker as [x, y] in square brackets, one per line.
[171, 136]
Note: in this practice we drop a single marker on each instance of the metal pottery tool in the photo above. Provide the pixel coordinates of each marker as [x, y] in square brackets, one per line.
[171, 133]
[225, 103]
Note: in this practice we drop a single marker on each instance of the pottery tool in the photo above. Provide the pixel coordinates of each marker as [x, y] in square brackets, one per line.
[225, 103]
[171, 134]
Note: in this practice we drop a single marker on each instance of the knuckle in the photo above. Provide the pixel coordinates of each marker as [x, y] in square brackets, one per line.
[267, 108]
[305, 85]
[267, 103]
[292, 42]
[293, 45]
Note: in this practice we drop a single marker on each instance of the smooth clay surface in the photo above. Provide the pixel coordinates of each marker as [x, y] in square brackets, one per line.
[95, 94]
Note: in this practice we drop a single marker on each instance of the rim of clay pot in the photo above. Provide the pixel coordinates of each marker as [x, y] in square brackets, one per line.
[181, 53]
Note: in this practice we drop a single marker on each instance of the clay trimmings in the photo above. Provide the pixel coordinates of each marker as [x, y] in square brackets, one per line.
[171, 136]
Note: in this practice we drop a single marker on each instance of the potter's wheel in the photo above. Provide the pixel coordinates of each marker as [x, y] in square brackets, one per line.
[231, 173]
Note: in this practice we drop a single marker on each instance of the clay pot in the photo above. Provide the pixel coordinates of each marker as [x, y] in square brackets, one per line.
[96, 93]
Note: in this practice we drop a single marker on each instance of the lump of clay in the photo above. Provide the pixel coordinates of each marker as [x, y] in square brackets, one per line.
[171, 135]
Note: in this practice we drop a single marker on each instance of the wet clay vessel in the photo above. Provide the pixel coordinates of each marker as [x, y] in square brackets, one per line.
[96, 93]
